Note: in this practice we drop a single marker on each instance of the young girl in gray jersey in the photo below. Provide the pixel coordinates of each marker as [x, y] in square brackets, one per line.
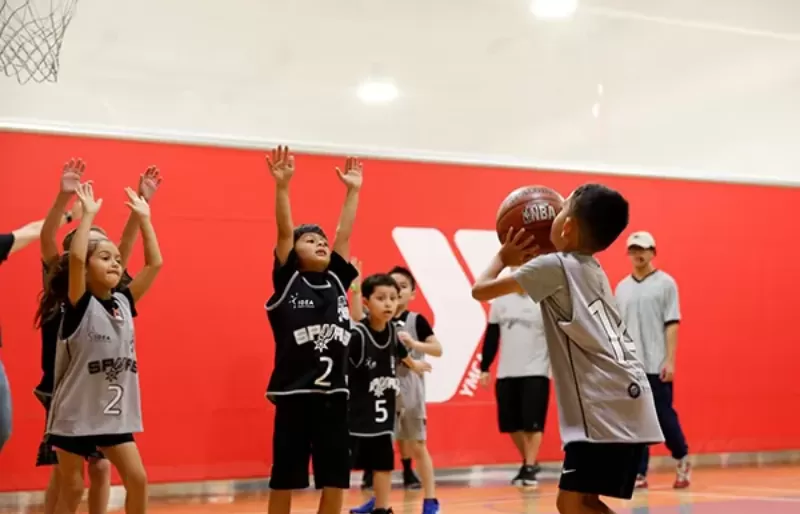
[48, 316]
[95, 403]
[606, 410]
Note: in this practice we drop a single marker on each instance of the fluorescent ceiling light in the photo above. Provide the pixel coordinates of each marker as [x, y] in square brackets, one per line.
[554, 9]
[377, 92]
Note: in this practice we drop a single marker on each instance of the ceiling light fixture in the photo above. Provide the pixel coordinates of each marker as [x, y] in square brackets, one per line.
[377, 92]
[554, 9]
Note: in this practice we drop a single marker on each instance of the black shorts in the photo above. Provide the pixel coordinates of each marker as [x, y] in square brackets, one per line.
[372, 453]
[310, 426]
[46, 455]
[605, 469]
[522, 403]
[87, 446]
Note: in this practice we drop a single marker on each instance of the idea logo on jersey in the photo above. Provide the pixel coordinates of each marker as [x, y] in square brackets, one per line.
[459, 320]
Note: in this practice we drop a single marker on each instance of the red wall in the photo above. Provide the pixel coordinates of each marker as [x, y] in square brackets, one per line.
[205, 346]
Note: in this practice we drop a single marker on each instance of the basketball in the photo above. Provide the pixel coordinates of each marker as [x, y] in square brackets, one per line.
[533, 208]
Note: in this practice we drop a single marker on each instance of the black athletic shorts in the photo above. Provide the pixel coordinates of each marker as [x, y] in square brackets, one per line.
[372, 453]
[87, 446]
[605, 469]
[46, 455]
[522, 403]
[310, 426]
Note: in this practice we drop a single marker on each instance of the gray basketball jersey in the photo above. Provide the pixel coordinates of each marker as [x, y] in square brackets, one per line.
[96, 387]
[412, 385]
[648, 306]
[603, 393]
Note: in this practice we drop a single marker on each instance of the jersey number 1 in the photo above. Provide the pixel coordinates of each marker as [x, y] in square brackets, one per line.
[112, 409]
[329, 366]
[617, 335]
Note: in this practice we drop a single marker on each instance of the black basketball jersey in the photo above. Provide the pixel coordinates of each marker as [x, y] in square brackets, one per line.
[310, 319]
[372, 379]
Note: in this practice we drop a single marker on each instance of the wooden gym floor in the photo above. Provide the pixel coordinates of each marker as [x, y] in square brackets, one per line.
[739, 490]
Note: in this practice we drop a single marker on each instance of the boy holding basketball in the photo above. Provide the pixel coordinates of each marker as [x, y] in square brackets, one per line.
[605, 403]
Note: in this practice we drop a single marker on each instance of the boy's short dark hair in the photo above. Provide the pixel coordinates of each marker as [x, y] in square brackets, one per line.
[373, 282]
[308, 228]
[406, 273]
[602, 215]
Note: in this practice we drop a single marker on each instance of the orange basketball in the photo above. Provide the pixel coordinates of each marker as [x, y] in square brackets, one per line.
[533, 208]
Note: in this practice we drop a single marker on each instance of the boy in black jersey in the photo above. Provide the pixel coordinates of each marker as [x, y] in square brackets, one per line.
[374, 350]
[311, 325]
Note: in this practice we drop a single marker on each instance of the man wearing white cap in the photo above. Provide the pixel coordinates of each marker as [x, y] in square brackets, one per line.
[648, 300]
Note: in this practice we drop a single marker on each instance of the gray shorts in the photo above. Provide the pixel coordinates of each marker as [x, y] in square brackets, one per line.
[410, 428]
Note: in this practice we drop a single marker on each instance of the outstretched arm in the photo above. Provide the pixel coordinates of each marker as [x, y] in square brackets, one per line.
[58, 214]
[281, 167]
[356, 300]
[80, 243]
[152, 253]
[352, 177]
[149, 182]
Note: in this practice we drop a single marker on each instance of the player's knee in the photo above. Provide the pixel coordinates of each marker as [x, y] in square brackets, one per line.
[569, 502]
[99, 471]
[135, 481]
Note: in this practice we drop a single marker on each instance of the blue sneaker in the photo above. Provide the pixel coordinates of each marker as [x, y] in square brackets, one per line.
[368, 507]
[430, 506]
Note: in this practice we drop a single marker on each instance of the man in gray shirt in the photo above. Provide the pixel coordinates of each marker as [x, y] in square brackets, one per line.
[648, 300]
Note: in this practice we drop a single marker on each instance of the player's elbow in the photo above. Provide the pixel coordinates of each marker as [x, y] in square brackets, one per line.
[481, 292]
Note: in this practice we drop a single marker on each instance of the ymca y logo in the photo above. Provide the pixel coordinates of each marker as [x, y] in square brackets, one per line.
[459, 320]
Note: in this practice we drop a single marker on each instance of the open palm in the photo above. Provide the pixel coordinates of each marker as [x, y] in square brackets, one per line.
[281, 165]
[71, 175]
[352, 176]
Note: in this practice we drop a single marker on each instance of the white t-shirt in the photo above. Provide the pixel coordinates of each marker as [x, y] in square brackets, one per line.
[523, 348]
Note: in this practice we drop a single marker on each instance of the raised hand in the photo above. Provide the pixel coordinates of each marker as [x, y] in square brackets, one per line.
[352, 177]
[71, 175]
[149, 181]
[137, 204]
[518, 248]
[281, 165]
[85, 194]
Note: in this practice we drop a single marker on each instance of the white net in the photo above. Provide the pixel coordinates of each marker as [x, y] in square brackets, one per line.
[31, 33]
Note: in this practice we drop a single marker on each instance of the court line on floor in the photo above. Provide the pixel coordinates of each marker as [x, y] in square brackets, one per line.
[723, 496]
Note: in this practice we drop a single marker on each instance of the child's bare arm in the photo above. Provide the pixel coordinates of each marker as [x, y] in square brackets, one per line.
[80, 243]
[58, 214]
[152, 253]
[149, 183]
[281, 167]
[352, 177]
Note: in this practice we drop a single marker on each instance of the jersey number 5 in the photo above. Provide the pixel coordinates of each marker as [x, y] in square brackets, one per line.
[328, 367]
[381, 414]
[617, 334]
[112, 409]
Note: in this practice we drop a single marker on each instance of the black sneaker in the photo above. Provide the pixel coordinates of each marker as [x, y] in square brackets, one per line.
[517, 480]
[366, 481]
[411, 480]
[527, 476]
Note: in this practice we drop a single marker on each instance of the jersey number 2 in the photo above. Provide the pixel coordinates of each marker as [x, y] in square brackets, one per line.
[112, 409]
[329, 366]
[617, 335]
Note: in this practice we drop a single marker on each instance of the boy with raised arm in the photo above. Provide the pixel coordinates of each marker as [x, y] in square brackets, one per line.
[310, 319]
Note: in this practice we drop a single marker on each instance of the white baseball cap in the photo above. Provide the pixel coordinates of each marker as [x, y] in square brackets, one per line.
[642, 240]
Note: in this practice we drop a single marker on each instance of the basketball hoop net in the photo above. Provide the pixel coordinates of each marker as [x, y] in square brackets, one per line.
[31, 32]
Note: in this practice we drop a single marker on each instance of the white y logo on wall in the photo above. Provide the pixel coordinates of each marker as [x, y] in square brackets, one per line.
[459, 320]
